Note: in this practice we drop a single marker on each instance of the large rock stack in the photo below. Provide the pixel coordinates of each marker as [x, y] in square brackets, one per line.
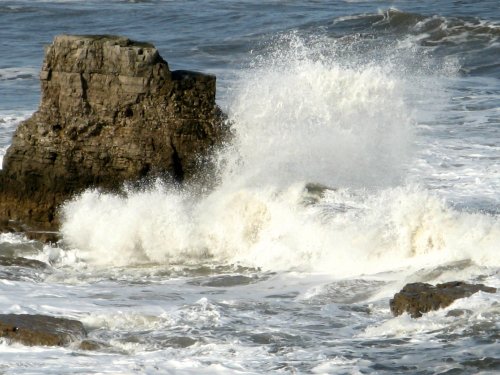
[111, 111]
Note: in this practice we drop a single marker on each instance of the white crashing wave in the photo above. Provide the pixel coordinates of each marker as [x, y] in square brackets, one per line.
[297, 118]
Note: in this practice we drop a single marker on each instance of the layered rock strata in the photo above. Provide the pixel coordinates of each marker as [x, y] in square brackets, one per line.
[419, 298]
[111, 111]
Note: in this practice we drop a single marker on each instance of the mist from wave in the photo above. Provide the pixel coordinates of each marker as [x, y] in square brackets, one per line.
[314, 180]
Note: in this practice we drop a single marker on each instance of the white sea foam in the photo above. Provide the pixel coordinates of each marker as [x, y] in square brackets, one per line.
[297, 118]
[274, 230]
[154, 305]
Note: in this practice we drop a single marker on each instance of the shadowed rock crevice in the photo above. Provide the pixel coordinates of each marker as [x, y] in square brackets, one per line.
[111, 112]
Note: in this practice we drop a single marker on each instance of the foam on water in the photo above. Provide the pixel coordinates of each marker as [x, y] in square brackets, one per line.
[345, 234]
[458, 153]
[299, 116]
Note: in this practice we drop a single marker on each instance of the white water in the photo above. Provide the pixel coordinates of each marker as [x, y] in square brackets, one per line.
[298, 118]
[132, 266]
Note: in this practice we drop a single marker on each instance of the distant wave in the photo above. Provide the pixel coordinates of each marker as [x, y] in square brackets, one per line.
[430, 30]
[412, 22]
[11, 74]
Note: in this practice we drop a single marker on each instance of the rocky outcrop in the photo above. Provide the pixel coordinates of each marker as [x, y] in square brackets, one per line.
[419, 298]
[111, 111]
[40, 330]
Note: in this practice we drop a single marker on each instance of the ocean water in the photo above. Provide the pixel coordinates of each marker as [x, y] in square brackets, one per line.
[366, 156]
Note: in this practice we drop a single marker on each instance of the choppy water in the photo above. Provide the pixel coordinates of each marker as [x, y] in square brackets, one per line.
[394, 106]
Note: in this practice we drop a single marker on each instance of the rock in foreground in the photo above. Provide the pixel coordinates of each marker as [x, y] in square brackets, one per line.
[111, 112]
[40, 330]
[419, 298]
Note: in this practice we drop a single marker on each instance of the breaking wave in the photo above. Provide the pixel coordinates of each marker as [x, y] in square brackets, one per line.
[314, 182]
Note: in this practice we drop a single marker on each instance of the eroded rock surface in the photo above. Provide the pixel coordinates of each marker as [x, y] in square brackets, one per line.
[111, 111]
[44, 330]
[419, 298]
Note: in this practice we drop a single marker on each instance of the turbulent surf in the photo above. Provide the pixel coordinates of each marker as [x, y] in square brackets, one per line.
[364, 156]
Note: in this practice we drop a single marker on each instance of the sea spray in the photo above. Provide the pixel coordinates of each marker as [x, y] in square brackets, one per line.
[298, 116]
[301, 115]
[276, 230]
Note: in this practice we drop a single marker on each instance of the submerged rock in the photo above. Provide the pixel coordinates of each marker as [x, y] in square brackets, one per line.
[17, 268]
[8, 261]
[91, 345]
[111, 112]
[419, 298]
[12, 226]
[40, 330]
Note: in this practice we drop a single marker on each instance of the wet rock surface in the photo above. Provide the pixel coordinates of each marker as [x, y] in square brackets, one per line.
[43, 330]
[17, 268]
[91, 345]
[111, 112]
[419, 298]
[7, 261]
[44, 236]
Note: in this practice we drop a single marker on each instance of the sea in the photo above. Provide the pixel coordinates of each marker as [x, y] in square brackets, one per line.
[365, 156]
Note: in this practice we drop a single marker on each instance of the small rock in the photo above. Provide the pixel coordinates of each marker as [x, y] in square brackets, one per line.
[90, 345]
[21, 262]
[419, 298]
[44, 330]
[458, 312]
[44, 236]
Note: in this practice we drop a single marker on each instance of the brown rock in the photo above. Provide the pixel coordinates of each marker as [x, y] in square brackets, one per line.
[111, 112]
[90, 345]
[34, 330]
[419, 298]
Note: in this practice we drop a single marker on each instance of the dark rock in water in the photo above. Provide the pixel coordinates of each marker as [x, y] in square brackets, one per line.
[40, 330]
[44, 236]
[111, 112]
[314, 192]
[458, 312]
[12, 226]
[178, 342]
[226, 281]
[90, 345]
[21, 262]
[419, 298]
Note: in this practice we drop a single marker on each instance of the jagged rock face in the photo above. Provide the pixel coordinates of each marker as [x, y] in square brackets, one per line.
[111, 111]
[419, 298]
